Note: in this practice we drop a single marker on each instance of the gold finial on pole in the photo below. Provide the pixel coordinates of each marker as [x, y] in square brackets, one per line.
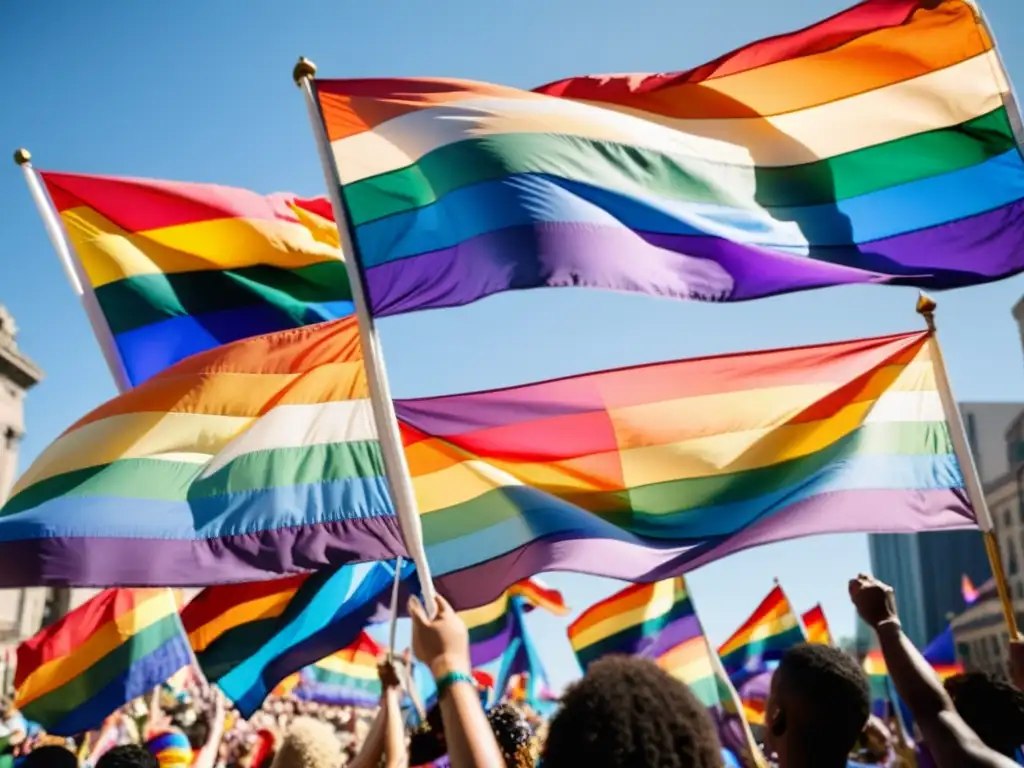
[22, 156]
[926, 308]
[303, 68]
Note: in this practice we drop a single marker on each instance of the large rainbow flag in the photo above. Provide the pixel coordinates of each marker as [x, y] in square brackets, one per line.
[644, 473]
[248, 638]
[348, 677]
[245, 462]
[771, 630]
[874, 146]
[179, 268]
[118, 646]
[491, 626]
[816, 626]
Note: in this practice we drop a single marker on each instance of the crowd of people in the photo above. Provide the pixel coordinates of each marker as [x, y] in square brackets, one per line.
[625, 712]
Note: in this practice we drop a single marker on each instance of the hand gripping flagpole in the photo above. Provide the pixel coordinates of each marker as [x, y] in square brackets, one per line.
[972, 483]
[73, 269]
[395, 466]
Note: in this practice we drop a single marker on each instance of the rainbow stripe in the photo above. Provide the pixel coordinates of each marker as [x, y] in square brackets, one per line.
[941, 654]
[878, 679]
[754, 697]
[114, 648]
[646, 472]
[874, 146]
[180, 268]
[246, 462]
[171, 749]
[816, 626]
[348, 677]
[248, 638]
[643, 619]
[491, 626]
[771, 630]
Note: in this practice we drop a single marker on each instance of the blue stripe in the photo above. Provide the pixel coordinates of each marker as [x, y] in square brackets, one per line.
[205, 518]
[148, 350]
[139, 679]
[532, 199]
[542, 515]
[332, 620]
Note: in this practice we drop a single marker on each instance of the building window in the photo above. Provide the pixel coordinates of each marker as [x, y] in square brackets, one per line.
[1007, 519]
[1019, 590]
[1011, 557]
[997, 651]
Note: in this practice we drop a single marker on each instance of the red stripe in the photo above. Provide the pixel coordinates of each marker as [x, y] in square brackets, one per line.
[833, 32]
[138, 205]
[215, 601]
[769, 604]
[63, 637]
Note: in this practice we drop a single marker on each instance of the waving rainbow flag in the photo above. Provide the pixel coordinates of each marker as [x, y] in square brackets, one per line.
[771, 630]
[178, 268]
[874, 146]
[346, 678]
[816, 626]
[491, 626]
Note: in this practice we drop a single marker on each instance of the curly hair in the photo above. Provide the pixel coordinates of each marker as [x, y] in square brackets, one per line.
[128, 756]
[825, 696]
[309, 743]
[626, 711]
[992, 707]
[514, 735]
[50, 756]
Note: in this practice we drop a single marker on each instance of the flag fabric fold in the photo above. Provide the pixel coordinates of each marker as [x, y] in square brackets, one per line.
[874, 146]
[250, 461]
[248, 638]
[347, 677]
[118, 646]
[772, 629]
[179, 268]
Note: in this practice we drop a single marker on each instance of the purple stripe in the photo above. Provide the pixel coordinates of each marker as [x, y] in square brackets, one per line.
[488, 650]
[678, 632]
[105, 561]
[865, 511]
[969, 251]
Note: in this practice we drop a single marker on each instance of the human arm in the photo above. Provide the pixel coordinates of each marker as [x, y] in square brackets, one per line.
[207, 757]
[377, 740]
[442, 643]
[951, 742]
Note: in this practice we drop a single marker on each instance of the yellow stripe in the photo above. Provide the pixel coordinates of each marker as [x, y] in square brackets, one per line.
[780, 620]
[264, 608]
[109, 253]
[109, 636]
[134, 436]
[663, 596]
[941, 99]
[707, 456]
[477, 617]
[362, 664]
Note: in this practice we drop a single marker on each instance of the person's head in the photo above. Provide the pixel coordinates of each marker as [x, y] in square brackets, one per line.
[50, 756]
[993, 708]
[818, 704]
[514, 735]
[171, 749]
[626, 711]
[427, 743]
[198, 731]
[309, 744]
[128, 756]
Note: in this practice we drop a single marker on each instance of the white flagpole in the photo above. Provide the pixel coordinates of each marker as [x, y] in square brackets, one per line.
[73, 269]
[395, 466]
[1009, 96]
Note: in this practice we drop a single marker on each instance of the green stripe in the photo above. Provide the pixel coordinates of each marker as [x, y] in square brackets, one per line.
[52, 706]
[675, 177]
[235, 646]
[145, 299]
[639, 509]
[341, 680]
[706, 690]
[154, 480]
[757, 648]
[630, 636]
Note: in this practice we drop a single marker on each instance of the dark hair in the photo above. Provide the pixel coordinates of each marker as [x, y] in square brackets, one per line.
[198, 733]
[829, 698]
[426, 741]
[626, 711]
[514, 735]
[993, 708]
[128, 756]
[50, 756]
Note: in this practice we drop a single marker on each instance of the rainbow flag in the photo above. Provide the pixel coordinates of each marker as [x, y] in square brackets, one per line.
[490, 626]
[180, 268]
[772, 629]
[118, 646]
[245, 462]
[754, 697]
[642, 620]
[878, 679]
[248, 638]
[967, 590]
[941, 654]
[816, 626]
[874, 146]
[348, 677]
[646, 472]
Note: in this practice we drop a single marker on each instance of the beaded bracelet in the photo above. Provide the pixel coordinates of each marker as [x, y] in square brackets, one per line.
[451, 678]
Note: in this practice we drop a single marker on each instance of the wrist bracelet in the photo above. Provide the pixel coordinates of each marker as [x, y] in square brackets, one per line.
[451, 678]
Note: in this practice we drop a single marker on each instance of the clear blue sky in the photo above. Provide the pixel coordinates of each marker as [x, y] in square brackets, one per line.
[202, 91]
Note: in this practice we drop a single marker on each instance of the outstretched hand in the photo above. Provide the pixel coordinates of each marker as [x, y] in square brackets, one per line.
[442, 643]
[874, 600]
